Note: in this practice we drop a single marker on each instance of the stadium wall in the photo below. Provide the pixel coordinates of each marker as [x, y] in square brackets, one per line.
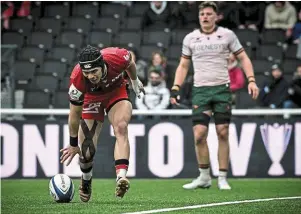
[159, 149]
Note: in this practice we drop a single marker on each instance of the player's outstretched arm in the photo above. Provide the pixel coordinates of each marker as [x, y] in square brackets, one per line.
[73, 122]
[180, 76]
[248, 69]
[136, 83]
[74, 119]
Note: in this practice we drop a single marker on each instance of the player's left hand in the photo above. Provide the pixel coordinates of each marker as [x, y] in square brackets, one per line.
[137, 87]
[253, 90]
[69, 152]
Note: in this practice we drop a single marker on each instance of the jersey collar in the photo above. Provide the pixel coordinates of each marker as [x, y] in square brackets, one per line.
[215, 29]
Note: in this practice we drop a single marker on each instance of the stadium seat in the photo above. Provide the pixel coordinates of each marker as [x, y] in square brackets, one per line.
[36, 99]
[45, 83]
[13, 38]
[273, 36]
[114, 10]
[290, 65]
[87, 9]
[174, 52]
[159, 38]
[291, 52]
[260, 79]
[49, 24]
[147, 50]
[61, 99]
[22, 25]
[248, 37]
[4, 72]
[126, 38]
[79, 24]
[64, 83]
[270, 52]
[100, 39]
[62, 53]
[138, 9]
[243, 100]
[132, 23]
[33, 54]
[178, 36]
[54, 67]
[24, 73]
[108, 24]
[262, 66]
[249, 50]
[35, 10]
[41, 40]
[71, 38]
[58, 10]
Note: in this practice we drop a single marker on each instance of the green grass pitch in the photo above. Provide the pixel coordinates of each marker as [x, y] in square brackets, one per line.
[32, 196]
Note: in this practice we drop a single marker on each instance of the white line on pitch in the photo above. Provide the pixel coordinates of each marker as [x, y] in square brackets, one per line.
[213, 205]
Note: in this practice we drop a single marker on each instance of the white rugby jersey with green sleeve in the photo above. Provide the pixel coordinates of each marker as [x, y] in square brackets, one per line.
[209, 54]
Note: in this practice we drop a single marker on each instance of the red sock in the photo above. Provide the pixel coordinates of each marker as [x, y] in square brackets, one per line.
[121, 167]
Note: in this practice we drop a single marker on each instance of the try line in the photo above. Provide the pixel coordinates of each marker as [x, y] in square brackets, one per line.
[213, 205]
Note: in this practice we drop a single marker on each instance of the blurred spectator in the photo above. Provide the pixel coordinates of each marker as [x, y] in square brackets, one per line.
[296, 32]
[141, 67]
[251, 15]
[158, 60]
[294, 90]
[158, 16]
[280, 15]
[188, 15]
[14, 9]
[156, 94]
[228, 14]
[237, 78]
[274, 92]
[7, 13]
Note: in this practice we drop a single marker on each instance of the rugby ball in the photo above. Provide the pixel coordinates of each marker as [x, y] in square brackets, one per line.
[61, 188]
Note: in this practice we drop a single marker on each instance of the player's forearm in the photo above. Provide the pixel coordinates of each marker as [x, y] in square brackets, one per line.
[131, 71]
[180, 75]
[73, 121]
[248, 68]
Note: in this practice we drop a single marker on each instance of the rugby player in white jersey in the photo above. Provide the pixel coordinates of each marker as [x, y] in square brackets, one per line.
[208, 48]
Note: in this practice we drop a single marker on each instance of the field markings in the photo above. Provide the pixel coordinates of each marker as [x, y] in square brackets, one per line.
[213, 205]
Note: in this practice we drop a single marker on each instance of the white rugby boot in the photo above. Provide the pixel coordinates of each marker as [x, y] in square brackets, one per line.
[203, 182]
[223, 184]
[122, 186]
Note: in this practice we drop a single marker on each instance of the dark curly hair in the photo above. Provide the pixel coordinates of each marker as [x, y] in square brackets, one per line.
[89, 53]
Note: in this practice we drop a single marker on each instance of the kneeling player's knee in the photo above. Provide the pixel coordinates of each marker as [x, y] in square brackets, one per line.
[120, 128]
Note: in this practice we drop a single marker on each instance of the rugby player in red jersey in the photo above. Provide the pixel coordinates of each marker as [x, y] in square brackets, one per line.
[97, 85]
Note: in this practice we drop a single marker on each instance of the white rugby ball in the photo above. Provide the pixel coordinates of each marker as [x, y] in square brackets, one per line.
[61, 188]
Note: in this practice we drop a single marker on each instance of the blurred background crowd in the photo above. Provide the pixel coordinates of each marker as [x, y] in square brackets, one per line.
[47, 36]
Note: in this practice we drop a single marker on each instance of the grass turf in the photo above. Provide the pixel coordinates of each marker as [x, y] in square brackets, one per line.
[32, 196]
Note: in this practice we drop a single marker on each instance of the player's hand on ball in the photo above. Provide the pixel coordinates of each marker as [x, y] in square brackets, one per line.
[253, 90]
[69, 152]
[175, 95]
[138, 87]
